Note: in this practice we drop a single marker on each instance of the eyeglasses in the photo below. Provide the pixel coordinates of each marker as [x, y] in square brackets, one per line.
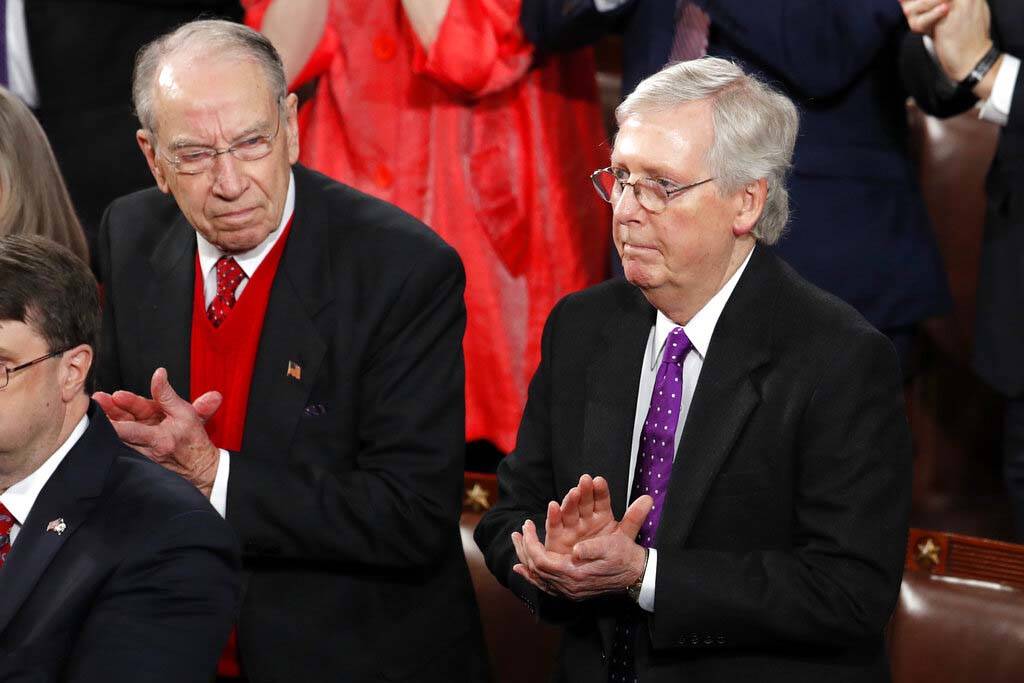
[195, 160]
[5, 376]
[653, 194]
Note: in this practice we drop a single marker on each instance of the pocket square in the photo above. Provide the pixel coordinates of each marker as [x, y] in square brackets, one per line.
[315, 410]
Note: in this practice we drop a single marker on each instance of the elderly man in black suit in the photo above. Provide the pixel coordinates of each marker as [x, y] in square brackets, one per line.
[969, 52]
[727, 442]
[111, 568]
[317, 332]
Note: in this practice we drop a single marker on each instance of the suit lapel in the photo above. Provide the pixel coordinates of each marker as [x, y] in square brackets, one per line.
[166, 314]
[725, 397]
[69, 495]
[302, 288]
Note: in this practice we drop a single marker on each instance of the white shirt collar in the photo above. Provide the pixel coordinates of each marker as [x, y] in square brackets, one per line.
[249, 260]
[20, 498]
[702, 324]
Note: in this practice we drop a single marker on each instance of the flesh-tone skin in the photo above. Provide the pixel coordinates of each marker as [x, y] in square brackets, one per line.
[679, 258]
[42, 404]
[961, 33]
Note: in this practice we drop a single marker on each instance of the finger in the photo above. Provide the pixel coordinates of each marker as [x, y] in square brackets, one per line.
[517, 543]
[570, 507]
[590, 550]
[553, 521]
[107, 405]
[602, 496]
[137, 435]
[635, 515]
[139, 407]
[586, 504]
[925, 23]
[524, 572]
[165, 395]
[207, 404]
[538, 559]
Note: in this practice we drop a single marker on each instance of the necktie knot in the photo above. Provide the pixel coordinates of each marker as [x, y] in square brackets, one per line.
[676, 347]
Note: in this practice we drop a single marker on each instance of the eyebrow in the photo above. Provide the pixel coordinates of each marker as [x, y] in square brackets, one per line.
[654, 171]
[182, 141]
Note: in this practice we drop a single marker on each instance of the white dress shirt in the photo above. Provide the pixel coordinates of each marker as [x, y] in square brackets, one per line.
[249, 261]
[20, 498]
[699, 330]
[20, 79]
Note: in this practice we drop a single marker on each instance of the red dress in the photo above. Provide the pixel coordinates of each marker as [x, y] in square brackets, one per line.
[490, 149]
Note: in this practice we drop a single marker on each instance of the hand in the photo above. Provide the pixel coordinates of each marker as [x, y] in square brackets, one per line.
[585, 512]
[167, 429]
[963, 37]
[923, 15]
[605, 563]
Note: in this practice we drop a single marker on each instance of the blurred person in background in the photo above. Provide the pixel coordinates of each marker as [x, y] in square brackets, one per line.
[33, 198]
[968, 53]
[441, 107]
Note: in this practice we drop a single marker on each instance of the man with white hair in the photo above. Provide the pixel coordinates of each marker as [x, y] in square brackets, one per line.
[712, 478]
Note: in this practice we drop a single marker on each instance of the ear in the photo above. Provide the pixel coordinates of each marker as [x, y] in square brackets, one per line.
[75, 366]
[291, 104]
[149, 151]
[751, 205]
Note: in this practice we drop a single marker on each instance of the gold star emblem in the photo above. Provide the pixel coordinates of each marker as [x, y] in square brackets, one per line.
[477, 498]
[928, 553]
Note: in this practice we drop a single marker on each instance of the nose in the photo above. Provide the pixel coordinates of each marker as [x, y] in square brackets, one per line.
[228, 182]
[626, 208]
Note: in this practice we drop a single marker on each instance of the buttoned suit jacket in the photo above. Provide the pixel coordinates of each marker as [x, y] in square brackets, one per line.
[999, 321]
[780, 546]
[122, 572]
[346, 493]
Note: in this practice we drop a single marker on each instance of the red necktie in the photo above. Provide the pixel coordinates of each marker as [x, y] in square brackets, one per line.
[229, 276]
[691, 39]
[6, 524]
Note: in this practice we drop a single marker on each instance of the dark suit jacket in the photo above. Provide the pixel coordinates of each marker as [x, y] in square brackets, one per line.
[82, 53]
[858, 226]
[999, 325]
[780, 548]
[346, 494]
[142, 584]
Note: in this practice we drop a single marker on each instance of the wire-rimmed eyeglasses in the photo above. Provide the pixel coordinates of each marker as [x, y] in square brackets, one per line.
[653, 194]
[6, 372]
[193, 160]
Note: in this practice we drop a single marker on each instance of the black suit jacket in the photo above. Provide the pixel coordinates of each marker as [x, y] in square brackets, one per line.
[999, 323]
[780, 548]
[141, 585]
[346, 494]
[82, 54]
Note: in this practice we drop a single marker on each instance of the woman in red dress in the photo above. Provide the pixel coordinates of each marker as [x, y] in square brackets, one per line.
[442, 107]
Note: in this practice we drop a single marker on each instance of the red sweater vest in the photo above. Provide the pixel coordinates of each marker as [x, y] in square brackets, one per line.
[222, 359]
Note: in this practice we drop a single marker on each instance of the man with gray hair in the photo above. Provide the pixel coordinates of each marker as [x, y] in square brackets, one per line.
[712, 477]
[302, 344]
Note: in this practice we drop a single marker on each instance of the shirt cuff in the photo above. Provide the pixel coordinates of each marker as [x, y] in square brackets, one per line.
[646, 599]
[996, 108]
[608, 5]
[219, 493]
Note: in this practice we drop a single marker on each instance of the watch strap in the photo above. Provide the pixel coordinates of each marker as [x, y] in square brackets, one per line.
[980, 69]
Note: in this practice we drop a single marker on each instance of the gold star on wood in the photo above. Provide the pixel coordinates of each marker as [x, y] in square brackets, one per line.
[928, 553]
[477, 498]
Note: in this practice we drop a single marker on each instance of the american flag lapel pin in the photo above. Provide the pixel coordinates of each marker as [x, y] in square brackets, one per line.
[294, 371]
[57, 526]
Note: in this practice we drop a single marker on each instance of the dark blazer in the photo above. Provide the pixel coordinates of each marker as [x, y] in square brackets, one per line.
[346, 494]
[999, 323]
[141, 585]
[82, 53]
[858, 226]
[780, 548]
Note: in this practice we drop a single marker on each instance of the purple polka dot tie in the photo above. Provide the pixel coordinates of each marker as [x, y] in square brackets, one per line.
[229, 276]
[653, 470]
[6, 524]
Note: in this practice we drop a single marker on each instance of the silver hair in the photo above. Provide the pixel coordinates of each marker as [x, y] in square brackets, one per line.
[207, 36]
[754, 128]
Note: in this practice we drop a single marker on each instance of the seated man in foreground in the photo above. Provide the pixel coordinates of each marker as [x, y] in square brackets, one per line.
[728, 442]
[111, 568]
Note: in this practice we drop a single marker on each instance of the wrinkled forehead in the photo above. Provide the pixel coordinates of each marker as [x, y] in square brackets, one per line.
[675, 139]
[208, 97]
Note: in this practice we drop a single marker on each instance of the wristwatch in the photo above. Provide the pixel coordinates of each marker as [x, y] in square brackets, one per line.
[633, 589]
[980, 69]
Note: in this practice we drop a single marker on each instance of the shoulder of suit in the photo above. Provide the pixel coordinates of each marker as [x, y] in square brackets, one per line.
[147, 491]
